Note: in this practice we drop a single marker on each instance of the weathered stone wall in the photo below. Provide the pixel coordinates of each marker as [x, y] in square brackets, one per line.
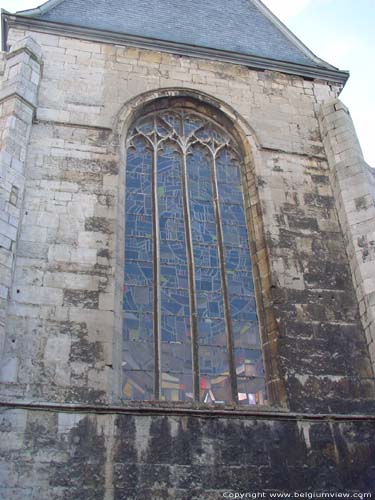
[353, 184]
[63, 333]
[80, 456]
[21, 71]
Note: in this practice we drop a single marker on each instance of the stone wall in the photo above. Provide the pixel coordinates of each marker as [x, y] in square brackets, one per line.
[84, 456]
[62, 339]
[21, 71]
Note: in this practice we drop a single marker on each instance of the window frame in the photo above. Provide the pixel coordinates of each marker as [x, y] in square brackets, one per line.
[228, 119]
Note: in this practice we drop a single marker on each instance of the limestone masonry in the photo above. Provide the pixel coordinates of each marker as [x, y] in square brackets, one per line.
[66, 104]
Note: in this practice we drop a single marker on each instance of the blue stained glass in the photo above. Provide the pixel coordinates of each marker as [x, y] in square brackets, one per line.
[212, 332]
[203, 232]
[174, 301]
[162, 128]
[213, 360]
[191, 124]
[235, 235]
[238, 258]
[230, 193]
[138, 183]
[175, 293]
[139, 158]
[177, 386]
[240, 283]
[202, 212]
[169, 187]
[176, 357]
[233, 214]
[210, 132]
[139, 273]
[215, 388]
[243, 307]
[227, 168]
[206, 255]
[138, 225]
[251, 391]
[170, 207]
[172, 229]
[174, 276]
[139, 356]
[138, 335]
[208, 279]
[138, 249]
[249, 362]
[138, 298]
[175, 329]
[138, 203]
[246, 333]
[199, 171]
[138, 385]
[173, 252]
[200, 190]
[146, 126]
[169, 166]
[210, 305]
[174, 120]
[138, 327]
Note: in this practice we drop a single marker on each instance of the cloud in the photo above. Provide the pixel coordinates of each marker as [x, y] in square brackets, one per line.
[286, 9]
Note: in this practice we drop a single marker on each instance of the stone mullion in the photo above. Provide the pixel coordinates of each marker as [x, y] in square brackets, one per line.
[224, 283]
[192, 288]
[156, 267]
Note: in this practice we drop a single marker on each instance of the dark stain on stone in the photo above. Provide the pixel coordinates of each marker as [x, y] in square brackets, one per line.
[84, 471]
[320, 179]
[99, 224]
[82, 350]
[319, 201]
[104, 252]
[81, 298]
[362, 203]
[303, 223]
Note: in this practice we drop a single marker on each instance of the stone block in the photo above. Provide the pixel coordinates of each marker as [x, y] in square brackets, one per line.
[38, 295]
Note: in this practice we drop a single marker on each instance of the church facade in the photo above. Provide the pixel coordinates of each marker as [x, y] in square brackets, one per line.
[187, 243]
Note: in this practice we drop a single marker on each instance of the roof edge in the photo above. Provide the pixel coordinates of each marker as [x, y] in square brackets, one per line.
[41, 9]
[322, 73]
[289, 34]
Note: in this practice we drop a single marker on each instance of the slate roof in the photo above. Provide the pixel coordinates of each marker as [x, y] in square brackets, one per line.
[238, 26]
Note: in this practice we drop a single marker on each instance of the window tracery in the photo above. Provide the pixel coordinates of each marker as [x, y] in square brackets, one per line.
[190, 328]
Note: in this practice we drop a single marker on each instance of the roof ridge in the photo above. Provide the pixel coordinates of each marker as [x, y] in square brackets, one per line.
[41, 9]
[289, 33]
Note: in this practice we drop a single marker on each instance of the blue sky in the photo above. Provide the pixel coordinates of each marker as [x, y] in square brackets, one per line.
[342, 32]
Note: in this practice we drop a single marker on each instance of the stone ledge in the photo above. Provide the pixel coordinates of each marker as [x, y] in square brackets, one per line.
[261, 413]
[28, 45]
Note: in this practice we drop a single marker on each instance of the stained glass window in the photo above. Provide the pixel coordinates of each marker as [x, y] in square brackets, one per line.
[190, 326]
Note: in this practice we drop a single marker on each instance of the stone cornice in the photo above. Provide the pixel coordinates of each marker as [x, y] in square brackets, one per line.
[260, 63]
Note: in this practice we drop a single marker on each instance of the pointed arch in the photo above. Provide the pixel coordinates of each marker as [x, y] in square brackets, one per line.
[247, 143]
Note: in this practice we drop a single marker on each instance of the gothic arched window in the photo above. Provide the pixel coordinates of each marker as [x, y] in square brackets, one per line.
[190, 327]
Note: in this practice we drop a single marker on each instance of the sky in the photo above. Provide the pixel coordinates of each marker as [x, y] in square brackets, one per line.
[342, 32]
